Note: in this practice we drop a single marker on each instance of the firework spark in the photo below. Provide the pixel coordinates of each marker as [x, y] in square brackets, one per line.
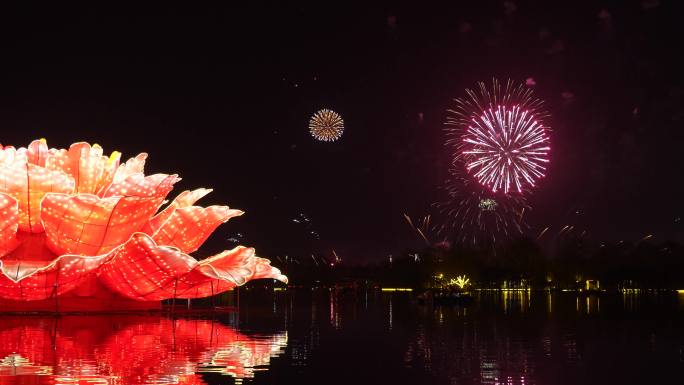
[326, 125]
[473, 215]
[500, 136]
[541, 234]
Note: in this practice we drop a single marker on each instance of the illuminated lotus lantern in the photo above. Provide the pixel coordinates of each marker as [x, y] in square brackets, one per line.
[81, 228]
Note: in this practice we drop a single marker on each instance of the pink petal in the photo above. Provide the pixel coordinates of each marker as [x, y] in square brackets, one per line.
[28, 184]
[89, 225]
[188, 227]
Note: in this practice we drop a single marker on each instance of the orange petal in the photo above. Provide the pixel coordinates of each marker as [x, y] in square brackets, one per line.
[219, 273]
[263, 270]
[89, 168]
[107, 177]
[142, 270]
[35, 281]
[86, 224]
[139, 185]
[9, 223]
[184, 199]
[187, 228]
[132, 166]
[28, 184]
[242, 264]
[226, 270]
[37, 153]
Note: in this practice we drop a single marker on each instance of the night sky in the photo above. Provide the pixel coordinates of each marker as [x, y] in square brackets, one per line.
[222, 96]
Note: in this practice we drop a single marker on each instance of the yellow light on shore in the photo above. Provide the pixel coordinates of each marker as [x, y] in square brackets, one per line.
[397, 289]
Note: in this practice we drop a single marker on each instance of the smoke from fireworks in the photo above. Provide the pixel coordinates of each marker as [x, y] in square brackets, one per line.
[326, 125]
[500, 136]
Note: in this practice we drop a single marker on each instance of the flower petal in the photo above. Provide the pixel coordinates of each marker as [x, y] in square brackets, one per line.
[188, 227]
[184, 199]
[9, 223]
[90, 169]
[263, 269]
[86, 224]
[37, 152]
[224, 271]
[11, 156]
[142, 270]
[220, 273]
[28, 184]
[110, 167]
[139, 185]
[26, 280]
[132, 166]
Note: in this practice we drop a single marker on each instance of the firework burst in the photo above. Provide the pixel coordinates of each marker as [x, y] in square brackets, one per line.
[500, 149]
[499, 135]
[474, 215]
[326, 125]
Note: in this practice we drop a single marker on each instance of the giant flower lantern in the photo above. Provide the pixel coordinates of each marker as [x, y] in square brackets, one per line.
[80, 230]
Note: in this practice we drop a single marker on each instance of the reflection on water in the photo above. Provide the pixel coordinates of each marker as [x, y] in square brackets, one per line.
[302, 337]
[129, 350]
[523, 337]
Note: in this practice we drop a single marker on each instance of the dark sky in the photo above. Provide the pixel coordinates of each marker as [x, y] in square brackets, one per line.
[222, 96]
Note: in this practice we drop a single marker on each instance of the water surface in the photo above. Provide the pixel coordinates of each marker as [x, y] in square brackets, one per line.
[361, 338]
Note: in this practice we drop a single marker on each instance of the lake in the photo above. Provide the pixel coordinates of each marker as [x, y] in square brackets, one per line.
[364, 337]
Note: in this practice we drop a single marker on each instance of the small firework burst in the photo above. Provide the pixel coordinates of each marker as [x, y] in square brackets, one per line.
[326, 125]
[487, 204]
[474, 215]
[500, 136]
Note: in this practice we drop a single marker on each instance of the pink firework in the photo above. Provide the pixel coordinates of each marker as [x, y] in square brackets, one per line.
[506, 148]
[500, 138]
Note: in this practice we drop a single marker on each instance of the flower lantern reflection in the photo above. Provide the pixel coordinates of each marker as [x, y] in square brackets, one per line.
[75, 224]
[130, 350]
